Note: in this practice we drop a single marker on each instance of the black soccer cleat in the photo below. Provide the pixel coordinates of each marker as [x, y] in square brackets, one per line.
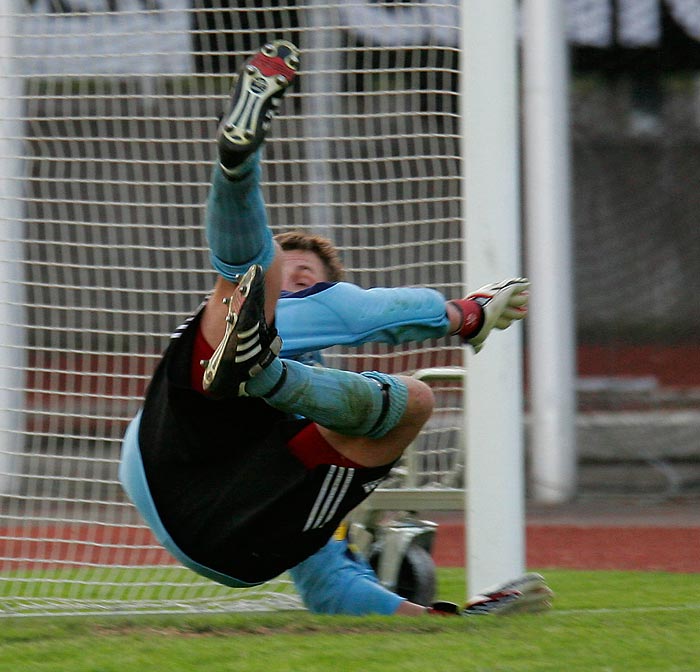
[249, 344]
[256, 96]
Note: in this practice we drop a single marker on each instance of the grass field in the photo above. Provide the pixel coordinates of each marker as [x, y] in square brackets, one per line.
[626, 621]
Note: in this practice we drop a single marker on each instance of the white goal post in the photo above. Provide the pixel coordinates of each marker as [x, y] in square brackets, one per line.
[107, 145]
[493, 416]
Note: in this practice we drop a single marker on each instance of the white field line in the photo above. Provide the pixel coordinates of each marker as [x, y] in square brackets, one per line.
[625, 610]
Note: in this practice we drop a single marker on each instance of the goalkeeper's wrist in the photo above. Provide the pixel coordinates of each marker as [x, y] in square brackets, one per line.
[469, 318]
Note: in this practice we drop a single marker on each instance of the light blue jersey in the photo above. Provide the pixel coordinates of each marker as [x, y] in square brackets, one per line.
[335, 580]
[341, 313]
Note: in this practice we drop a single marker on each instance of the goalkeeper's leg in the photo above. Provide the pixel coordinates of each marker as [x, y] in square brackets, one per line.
[236, 221]
[241, 245]
[369, 417]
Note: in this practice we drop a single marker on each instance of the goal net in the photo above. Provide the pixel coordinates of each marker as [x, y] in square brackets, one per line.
[108, 147]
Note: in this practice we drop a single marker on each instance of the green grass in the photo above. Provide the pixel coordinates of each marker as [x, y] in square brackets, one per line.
[626, 621]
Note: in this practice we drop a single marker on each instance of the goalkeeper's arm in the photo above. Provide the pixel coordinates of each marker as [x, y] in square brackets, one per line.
[494, 306]
[344, 314]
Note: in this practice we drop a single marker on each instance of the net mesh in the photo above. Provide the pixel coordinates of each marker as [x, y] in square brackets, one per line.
[111, 148]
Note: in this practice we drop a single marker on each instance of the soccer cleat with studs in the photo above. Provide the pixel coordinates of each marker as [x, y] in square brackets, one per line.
[527, 594]
[256, 96]
[249, 344]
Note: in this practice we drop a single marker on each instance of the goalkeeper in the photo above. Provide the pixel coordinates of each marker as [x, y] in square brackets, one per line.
[244, 459]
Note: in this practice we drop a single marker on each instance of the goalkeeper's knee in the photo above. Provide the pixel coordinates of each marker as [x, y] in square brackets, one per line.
[394, 400]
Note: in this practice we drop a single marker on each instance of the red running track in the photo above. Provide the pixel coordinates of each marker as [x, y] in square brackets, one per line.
[672, 549]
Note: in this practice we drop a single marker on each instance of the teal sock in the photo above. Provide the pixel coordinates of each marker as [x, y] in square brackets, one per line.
[355, 404]
[236, 221]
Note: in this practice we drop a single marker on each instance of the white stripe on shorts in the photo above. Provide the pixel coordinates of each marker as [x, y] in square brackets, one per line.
[334, 487]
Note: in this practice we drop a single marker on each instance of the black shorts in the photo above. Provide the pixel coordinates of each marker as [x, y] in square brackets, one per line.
[225, 483]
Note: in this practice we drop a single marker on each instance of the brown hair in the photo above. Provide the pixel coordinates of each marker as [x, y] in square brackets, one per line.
[320, 246]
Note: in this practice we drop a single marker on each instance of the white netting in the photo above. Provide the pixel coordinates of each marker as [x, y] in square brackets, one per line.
[109, 150]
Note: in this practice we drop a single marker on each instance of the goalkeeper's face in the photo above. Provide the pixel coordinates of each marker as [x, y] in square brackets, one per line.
[301, 269]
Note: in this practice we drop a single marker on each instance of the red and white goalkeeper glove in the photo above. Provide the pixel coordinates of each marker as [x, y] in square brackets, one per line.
[493, 306]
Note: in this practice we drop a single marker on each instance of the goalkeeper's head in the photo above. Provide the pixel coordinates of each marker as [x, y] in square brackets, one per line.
[308, 259]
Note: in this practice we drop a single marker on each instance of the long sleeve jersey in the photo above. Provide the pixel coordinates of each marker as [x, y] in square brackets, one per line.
[341, 313]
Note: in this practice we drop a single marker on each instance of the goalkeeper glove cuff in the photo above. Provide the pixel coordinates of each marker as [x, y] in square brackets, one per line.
[472, 319]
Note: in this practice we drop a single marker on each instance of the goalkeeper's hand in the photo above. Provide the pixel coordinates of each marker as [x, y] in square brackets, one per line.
[501, 303]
